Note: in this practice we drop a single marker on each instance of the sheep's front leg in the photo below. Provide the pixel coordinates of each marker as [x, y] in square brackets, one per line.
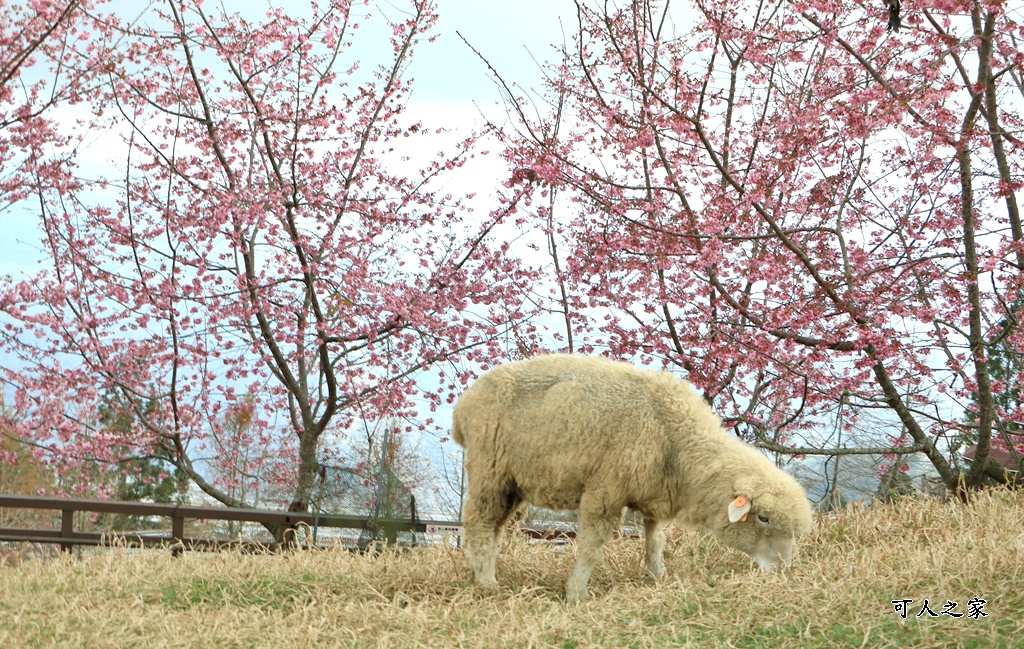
[654, 542]
[596, 525]
[486, 516]
[482, 518]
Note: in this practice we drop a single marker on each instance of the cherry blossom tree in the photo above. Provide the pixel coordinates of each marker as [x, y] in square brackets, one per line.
[43, 63]
[271, 240]
[41, 66]
[808, 214]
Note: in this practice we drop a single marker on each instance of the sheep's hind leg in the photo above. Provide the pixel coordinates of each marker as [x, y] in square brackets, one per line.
[654, 542]
[597, 523]
[485, 518]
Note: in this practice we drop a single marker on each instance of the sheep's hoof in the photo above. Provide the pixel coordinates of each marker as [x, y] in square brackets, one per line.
[575, 595]
[489, 587]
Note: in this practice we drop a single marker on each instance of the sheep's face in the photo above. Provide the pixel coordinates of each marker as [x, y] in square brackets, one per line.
[764, 529]
[773, 552]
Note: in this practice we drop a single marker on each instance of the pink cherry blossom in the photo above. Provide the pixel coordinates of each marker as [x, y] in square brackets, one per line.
[802, 212]
[241, 279]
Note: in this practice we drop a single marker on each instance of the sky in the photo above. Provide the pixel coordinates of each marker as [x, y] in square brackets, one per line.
[509, 35]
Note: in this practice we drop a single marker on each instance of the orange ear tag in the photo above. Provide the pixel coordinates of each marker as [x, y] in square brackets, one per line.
[738, 509]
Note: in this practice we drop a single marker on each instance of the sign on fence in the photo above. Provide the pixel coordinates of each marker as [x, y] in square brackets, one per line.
[441, 528]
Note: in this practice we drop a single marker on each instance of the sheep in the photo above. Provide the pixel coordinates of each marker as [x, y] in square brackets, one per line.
[566, 431]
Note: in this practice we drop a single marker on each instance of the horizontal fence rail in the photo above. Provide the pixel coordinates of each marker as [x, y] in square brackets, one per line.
[67, 537]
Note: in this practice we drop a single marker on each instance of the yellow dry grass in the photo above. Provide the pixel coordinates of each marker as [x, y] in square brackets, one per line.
[837, 595]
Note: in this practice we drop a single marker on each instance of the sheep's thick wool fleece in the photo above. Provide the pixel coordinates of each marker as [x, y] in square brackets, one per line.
[556, 426]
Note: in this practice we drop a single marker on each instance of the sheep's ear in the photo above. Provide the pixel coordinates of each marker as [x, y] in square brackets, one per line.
[738, 509]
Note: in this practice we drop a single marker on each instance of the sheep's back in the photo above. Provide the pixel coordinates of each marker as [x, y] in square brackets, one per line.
[557, 423]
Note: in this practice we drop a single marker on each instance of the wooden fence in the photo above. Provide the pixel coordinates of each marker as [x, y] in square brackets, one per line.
[67, 536]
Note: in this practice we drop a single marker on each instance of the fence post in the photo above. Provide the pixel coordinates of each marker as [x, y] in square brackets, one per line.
[67, 528]
[178, 534]
[412, 517]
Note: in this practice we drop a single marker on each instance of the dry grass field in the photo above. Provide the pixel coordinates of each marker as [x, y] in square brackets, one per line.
[838, 594]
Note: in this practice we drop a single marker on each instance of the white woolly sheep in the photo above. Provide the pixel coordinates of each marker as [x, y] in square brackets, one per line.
[596, 435]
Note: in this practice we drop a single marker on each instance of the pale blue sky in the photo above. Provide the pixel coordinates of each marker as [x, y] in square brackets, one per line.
[507, 33]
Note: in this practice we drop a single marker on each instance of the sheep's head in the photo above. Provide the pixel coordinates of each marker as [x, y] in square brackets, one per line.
[765, 519]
